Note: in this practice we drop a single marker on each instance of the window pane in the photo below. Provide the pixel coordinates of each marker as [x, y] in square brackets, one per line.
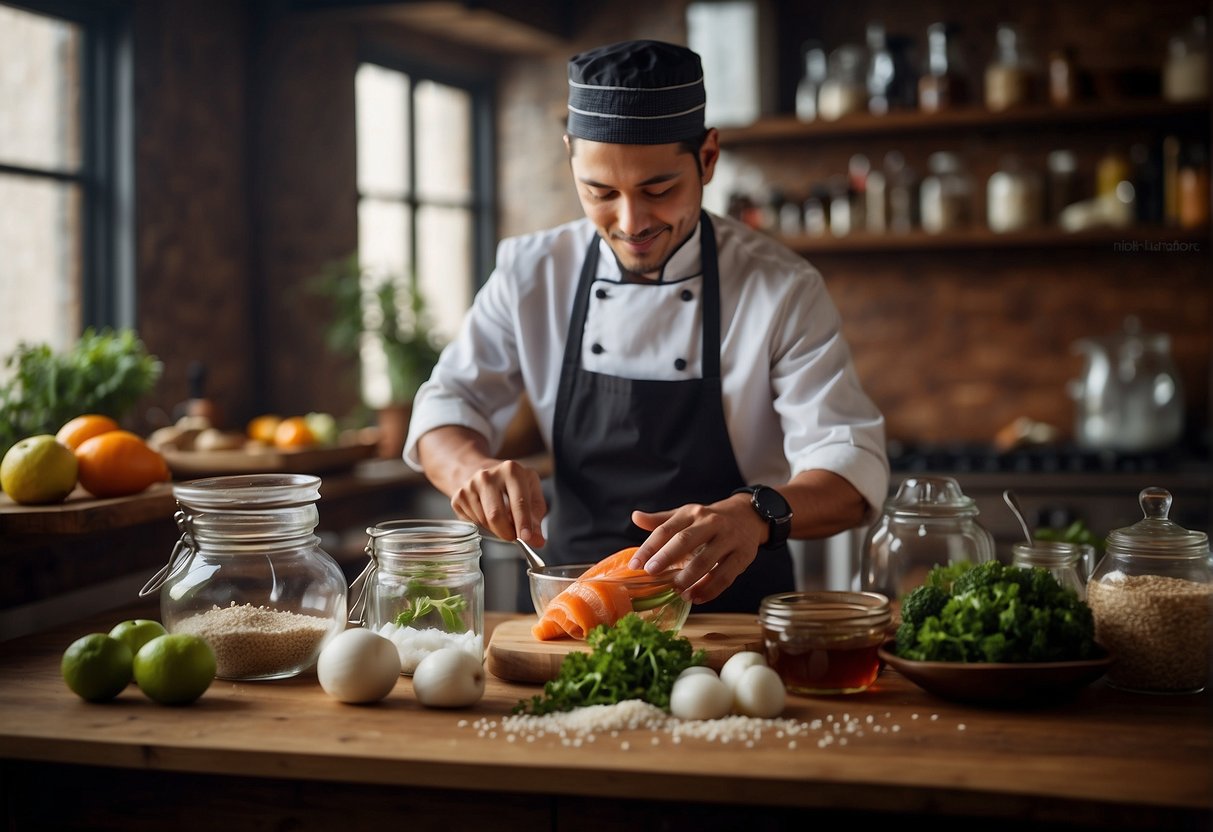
[40, 270]
[444, 256]
[39, 91]
[444, 142]
[383, 236]
[382, 114]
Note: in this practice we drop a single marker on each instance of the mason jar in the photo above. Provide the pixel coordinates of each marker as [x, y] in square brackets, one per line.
[1062, 560]
[1152, 599]
[423, 587]
[825, 642]
[248, 574]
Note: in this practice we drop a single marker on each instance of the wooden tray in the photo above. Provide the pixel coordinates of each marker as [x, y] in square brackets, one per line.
[191, 464]
[517, 656]
[81, 512]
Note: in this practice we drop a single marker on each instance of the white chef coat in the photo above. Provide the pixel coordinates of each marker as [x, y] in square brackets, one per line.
[792, 400]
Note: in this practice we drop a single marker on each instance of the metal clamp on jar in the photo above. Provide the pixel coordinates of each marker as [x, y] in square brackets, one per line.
[248, 574]
[1152, 599]
[422, 588]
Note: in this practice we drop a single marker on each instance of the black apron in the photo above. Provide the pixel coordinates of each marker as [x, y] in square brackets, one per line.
[621, 444]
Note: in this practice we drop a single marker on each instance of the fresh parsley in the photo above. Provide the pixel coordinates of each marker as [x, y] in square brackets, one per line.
[633, 659]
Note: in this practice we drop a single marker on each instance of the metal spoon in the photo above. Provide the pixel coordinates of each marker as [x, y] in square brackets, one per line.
[1009, 497]
[532, 557]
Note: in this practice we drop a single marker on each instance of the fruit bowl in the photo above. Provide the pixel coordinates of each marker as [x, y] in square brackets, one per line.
[988, 683]
[652, 596]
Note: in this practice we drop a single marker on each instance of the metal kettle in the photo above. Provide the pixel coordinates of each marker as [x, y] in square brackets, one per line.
[1129, 397]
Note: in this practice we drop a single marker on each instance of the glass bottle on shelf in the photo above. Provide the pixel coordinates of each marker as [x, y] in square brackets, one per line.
[1194, 188]
[1185, 75]
[1063, 79]
[889, 82]
[943, 84]
[1013, 198]
[946, 194]
[810, 83]
[901, 190]
[1063, 188]
[1009, 73]
[843, 92]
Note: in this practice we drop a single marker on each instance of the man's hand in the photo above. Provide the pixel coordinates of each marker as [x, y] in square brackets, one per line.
[503, 497]
[712, 544]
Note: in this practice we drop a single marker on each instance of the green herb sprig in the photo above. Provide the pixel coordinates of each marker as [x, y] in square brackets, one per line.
[450, 609]
[634, 659]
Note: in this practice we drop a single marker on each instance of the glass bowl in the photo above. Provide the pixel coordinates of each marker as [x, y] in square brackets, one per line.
[653, 597]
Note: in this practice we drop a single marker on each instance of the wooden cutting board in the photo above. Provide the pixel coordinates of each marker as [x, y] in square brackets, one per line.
[517, 656]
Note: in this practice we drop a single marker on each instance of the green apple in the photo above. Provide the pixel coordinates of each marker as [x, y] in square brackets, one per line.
[136, 632]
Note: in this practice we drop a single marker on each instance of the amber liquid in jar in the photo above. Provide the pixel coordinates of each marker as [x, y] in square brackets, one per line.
[823, 669]
[824, 642]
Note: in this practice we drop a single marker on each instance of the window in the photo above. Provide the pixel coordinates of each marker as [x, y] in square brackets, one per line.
[64, 265]
[425, 206]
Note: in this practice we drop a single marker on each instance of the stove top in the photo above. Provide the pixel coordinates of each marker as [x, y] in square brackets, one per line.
[1055, 459]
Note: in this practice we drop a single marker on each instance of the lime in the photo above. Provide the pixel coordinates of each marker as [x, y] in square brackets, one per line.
[38, 470]
[175, 669]
[137, 632]
[96, 667]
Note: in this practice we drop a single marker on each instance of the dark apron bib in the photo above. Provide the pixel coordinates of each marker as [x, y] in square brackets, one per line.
[621, 444]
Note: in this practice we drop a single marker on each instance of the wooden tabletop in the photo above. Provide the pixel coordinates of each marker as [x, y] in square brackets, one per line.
[1107, 757]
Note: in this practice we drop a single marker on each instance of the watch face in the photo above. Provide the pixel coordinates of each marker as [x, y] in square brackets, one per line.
[771, 503]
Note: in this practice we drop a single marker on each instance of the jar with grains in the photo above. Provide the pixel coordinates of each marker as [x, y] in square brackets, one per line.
[248, 574]
[825, 642]
[945, 195]
[423, 587]
[1152, 600]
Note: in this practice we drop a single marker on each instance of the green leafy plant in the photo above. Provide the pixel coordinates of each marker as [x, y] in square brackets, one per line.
[633, 659]
[992, 612]
[449, 609]
[105, 372]
[385, 308]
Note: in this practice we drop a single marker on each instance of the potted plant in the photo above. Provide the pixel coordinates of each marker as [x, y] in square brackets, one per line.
[381, 312]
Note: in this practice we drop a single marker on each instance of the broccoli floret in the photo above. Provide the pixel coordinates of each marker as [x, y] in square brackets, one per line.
[994, 613]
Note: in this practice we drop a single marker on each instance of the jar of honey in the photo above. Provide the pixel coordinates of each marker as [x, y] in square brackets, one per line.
[825, 642]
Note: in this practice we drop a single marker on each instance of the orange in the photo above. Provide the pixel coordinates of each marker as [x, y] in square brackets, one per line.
[293, 432]
[263, 427]
[84, 427]
[119, 463]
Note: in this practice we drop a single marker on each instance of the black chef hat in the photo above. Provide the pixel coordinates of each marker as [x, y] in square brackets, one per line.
[636, 92]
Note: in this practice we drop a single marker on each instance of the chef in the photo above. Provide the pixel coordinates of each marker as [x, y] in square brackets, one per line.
[686, 372]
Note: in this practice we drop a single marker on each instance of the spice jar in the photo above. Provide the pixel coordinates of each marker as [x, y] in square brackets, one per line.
[843, 91]
[942, 85]
[1013, 198]
[810, 83]
[928, 522]
[248, 574]
[1009, 74]
[946, 194]
[1062, 560]
[1185, 74]
[824, 642]
[423, 588]
[1152, 600]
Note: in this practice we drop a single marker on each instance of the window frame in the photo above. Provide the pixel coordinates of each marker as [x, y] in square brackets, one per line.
[483, 205]
[106, 172]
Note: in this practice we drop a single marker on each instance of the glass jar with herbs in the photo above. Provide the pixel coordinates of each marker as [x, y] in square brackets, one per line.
[423, 587]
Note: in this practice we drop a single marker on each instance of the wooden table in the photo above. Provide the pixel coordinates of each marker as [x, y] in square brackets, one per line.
[283, 755]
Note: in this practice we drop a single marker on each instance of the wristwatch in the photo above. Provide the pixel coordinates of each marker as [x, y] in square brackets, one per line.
[772, 507]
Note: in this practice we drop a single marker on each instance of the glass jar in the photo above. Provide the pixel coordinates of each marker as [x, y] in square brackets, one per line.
[1013, 198]
[946, 194]
[1185, 75]
[928, 522]
[943, 84]
[248, 574]
[1063, 560]
[889, 79]
[1152, 599]
[843, 91]
[423, 587]
[810, 83]
[825, 642]
[1009, 73]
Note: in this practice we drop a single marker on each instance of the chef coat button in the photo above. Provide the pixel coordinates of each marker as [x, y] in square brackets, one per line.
[597, 349]
[687, 294]
[680, 364]
[600, 294]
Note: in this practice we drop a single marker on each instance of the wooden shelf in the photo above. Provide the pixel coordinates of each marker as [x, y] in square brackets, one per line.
[790, 129]
[1134, 240]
